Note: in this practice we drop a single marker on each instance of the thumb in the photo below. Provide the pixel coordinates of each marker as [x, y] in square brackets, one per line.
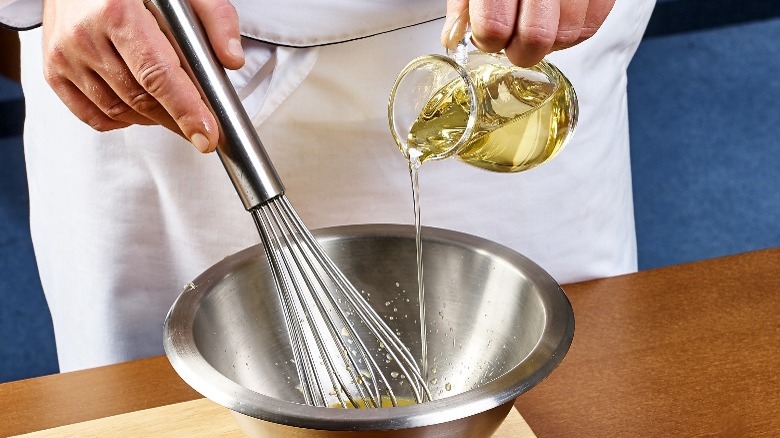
[220, 20]
[455, 24]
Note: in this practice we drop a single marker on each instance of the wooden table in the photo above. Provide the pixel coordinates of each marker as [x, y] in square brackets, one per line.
[689, 350]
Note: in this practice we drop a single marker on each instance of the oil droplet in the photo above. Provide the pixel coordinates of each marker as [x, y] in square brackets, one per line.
[394, 374]
[448, 387]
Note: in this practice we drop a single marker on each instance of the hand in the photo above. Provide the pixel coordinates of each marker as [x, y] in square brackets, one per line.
[110, 63]
[528, 30]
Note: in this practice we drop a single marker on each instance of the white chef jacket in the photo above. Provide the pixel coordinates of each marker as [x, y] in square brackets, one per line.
[122, 220]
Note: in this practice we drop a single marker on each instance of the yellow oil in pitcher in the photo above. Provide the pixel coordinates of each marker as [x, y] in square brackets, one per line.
[521, 122]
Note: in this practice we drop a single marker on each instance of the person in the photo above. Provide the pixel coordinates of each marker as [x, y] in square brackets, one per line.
[124, 211]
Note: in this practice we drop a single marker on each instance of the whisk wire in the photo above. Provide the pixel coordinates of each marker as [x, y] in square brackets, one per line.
[335, 276]
[302, 356]
[322, 310]
[297, 306]
[378, 328]
[292, 233]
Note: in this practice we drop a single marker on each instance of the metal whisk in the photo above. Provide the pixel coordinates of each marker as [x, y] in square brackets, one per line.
[337, 339]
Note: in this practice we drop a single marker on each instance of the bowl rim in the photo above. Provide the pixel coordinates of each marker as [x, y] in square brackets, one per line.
[183, 354]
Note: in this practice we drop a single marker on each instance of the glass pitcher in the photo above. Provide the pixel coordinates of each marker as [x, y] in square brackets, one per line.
[481, 108]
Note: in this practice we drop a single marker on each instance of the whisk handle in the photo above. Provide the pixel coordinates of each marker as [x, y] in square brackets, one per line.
[239, 148]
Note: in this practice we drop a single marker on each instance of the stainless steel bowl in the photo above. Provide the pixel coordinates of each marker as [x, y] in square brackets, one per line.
[498, 324]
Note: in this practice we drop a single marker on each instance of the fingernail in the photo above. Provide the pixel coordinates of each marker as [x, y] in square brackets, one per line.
[235, 49]
[200, 141]
[458, 30]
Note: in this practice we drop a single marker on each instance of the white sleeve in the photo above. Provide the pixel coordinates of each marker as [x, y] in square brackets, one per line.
[21, 14]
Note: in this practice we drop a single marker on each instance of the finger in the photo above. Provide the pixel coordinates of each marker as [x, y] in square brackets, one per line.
[94, 88]
[82, 107]
[220, 20]
[122, 88]
[537, 27]
[455, 9]
[570, 24]
[493, 23]
[156, 67]
[595, 16]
